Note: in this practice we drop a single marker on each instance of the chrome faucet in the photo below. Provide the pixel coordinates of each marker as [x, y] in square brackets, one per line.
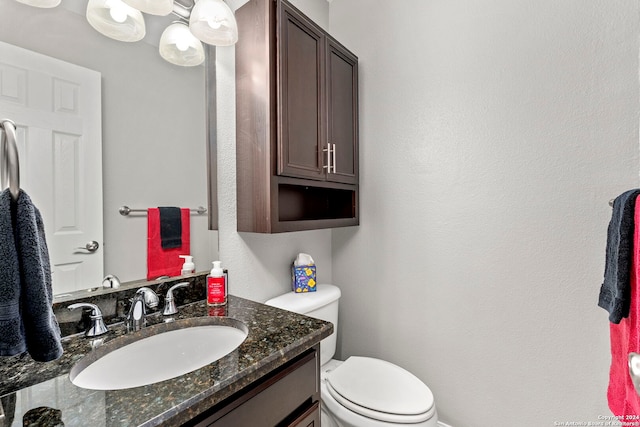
[97, 323]
[143, 298]
[169, 304]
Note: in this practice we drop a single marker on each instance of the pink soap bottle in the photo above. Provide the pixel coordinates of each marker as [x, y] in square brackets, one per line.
[216, 286]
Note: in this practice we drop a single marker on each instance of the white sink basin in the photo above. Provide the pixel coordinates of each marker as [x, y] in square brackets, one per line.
[158, 353]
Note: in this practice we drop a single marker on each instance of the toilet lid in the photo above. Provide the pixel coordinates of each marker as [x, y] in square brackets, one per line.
[379, 389]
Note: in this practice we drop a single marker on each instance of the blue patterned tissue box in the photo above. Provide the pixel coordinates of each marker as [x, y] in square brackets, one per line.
[303, 278]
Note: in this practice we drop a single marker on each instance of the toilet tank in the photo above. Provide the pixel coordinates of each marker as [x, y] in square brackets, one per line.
[321, 304]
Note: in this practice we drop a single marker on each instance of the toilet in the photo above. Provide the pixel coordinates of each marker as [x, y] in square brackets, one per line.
[360, 391]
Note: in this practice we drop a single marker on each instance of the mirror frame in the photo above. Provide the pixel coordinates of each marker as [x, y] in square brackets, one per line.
[212, 138]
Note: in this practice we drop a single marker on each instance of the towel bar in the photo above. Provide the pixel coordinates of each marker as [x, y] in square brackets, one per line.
[126, 210]
[9, 161]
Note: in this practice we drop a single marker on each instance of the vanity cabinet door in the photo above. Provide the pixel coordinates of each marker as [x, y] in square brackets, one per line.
[300, 51]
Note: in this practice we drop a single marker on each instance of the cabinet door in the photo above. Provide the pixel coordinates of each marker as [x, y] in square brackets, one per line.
[300, 95]
[342, 112]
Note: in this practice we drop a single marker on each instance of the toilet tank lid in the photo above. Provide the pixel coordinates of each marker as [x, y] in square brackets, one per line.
[306, 302]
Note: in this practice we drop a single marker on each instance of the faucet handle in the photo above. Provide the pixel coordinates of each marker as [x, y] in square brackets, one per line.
[150, 297]
[169, 304]
[110, 281]
[97, 323]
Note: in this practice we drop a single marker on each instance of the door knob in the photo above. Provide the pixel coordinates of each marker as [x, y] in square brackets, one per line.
[91, 246]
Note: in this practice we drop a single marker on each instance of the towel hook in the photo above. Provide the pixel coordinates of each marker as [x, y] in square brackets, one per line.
[9, 160]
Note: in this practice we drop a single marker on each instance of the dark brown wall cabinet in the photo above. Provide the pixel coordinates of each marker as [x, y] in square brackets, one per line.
[296, 122]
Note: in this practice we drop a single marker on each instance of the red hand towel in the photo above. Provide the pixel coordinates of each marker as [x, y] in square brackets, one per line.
[625, 338]
[165, 262]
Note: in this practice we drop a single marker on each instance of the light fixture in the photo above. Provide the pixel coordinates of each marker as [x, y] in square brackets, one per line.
[46, 4]
[115, 19]
[180, 47]
[212, 21]
[152, 7]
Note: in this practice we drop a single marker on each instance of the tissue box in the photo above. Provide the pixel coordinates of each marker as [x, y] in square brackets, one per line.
[303, 278]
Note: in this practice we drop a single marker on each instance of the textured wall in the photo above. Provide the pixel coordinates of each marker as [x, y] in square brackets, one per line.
[493, 135]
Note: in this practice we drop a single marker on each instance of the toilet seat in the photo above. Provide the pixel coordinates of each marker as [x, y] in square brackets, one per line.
[380, 390]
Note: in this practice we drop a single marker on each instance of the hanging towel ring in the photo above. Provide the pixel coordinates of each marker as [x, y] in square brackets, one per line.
[9, 161]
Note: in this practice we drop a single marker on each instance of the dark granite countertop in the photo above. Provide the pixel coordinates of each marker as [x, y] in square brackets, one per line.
[43, 391]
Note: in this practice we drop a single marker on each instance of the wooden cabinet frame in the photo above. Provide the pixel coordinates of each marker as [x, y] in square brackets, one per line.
[288, 108]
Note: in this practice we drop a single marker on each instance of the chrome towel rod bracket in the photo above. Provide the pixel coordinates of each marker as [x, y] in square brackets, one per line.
[126, 210]
[9, 160]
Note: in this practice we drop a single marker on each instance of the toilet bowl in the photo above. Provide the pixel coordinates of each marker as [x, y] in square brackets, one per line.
[360, 391]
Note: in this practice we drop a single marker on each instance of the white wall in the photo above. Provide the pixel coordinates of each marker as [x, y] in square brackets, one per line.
[493, 134]
[259, 265]
[153, 122]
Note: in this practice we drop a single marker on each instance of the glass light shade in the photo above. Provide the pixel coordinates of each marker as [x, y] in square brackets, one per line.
[212, 21]
[115, 19]
[152, 7]
[46, 4]
[180, 47]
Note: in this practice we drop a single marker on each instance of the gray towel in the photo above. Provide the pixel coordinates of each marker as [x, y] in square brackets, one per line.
[615, 292]
[27, 322]
[11, 328]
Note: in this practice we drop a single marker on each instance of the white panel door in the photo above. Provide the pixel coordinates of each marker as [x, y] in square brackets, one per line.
[57, 110]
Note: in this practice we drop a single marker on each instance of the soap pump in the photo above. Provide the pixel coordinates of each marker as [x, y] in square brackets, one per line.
[216, 286]
[188, 267]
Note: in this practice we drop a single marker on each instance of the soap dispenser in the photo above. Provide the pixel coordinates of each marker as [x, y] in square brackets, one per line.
[216, 286]
[188, 267]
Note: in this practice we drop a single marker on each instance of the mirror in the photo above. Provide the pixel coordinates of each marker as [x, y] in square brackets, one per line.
[154, 131]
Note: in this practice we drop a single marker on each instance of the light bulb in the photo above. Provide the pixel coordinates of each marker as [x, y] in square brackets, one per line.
[182, 45]
[214, 23]
[115, 19]
[118, 13]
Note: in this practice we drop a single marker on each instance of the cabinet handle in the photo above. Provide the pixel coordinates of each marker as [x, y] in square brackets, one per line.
[328, 151]
[334, 158]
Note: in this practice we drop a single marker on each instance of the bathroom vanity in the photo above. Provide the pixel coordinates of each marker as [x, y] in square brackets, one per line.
[271, 379]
